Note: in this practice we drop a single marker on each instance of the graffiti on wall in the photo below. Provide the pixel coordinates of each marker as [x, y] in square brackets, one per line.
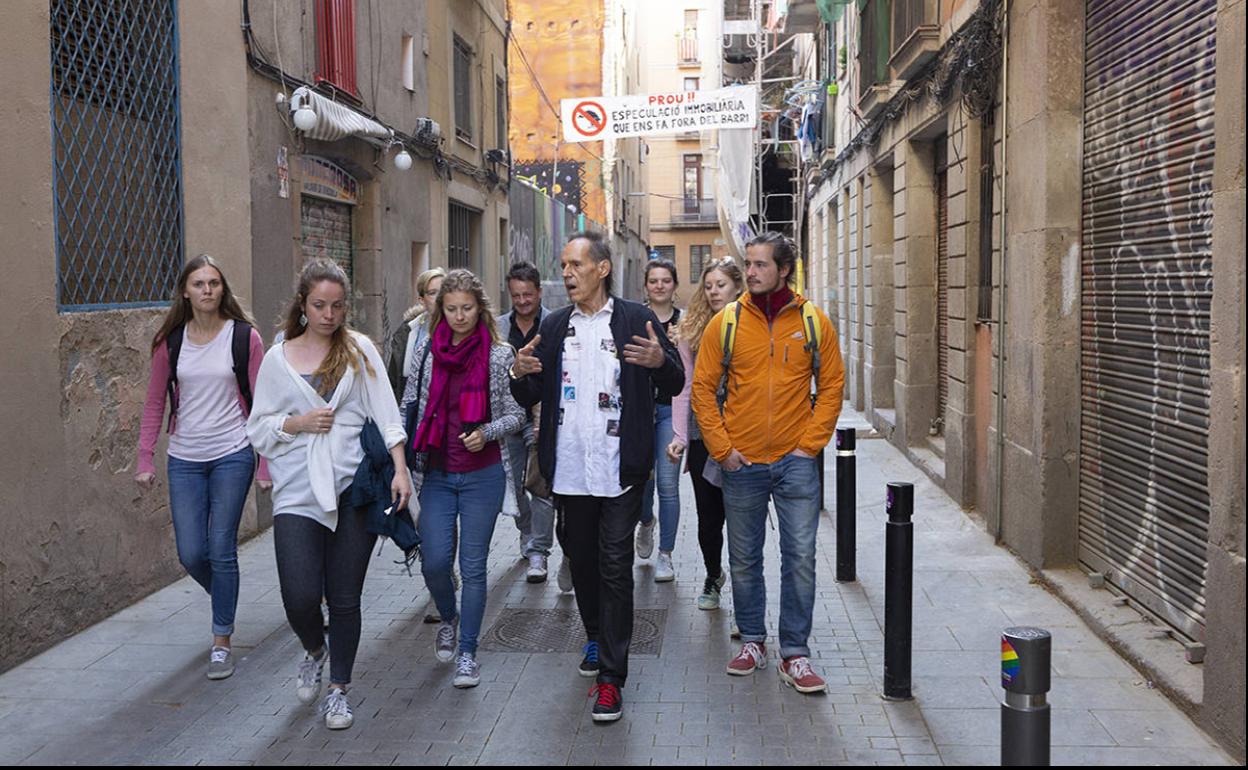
[1146, 301]
[565, 182]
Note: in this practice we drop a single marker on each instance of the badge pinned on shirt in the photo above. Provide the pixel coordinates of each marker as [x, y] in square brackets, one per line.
[560, 416]
[608, 345]
[567, 377]
[569, 392]
[613, 428]
[608, 403]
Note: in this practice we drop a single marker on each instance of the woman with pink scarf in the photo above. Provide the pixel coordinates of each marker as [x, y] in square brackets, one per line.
[460, 392]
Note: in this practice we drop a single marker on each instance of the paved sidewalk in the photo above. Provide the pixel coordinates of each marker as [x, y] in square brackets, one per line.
[132, 688]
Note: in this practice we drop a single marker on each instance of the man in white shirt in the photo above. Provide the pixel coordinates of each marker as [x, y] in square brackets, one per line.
[594, 367]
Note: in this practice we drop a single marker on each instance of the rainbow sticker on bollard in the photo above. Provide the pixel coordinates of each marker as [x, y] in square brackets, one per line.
[1009, 663]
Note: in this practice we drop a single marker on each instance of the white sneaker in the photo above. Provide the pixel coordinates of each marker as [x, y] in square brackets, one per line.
[308, 680]
[664, 572]
[337, 711]
[645, 540]
[565, 575]
[537, 569]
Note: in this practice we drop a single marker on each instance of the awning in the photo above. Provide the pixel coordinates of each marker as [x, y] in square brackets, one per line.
[336, 121]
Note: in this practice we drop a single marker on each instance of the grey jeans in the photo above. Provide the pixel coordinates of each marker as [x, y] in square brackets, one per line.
[536, 521]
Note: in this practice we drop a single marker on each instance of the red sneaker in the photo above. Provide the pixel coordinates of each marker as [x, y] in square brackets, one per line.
[796, 671]
[610, 706]
[752, 657]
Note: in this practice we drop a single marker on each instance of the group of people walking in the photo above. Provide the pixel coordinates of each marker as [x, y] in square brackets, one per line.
[567, 420]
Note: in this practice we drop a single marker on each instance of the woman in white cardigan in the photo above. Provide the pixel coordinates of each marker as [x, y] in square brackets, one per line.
[313, 395]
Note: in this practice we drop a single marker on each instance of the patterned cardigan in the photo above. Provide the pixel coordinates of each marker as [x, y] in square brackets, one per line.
[507, 415]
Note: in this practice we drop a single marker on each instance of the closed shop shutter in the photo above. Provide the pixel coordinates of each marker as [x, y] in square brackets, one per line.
[326, 230]
[1147, 285]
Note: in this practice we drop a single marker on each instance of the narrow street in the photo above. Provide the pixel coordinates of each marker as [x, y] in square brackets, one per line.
[131, 689]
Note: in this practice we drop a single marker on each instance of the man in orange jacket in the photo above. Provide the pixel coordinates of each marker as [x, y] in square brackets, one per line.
[767, 439]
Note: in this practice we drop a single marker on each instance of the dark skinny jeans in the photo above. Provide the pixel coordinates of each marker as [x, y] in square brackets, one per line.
[313, 562]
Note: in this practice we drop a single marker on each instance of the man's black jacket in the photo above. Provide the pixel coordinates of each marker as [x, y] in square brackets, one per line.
[637, 388]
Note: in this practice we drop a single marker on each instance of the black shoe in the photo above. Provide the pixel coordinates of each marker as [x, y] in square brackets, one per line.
[610, 706]
[589, 664]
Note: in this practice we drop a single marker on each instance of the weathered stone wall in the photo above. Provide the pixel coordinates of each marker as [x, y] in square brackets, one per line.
[78, 540]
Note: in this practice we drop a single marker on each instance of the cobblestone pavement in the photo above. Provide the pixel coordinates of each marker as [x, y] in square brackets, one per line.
[132, 688]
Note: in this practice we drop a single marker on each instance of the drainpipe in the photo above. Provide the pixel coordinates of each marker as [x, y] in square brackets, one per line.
[1005, 134]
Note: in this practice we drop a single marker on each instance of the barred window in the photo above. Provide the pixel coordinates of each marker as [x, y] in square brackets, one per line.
[117, 166]
[699, 256]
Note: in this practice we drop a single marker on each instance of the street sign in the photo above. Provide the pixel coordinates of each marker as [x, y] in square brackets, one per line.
[677, 112]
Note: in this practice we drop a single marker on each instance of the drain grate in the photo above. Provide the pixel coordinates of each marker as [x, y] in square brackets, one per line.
[533, 630]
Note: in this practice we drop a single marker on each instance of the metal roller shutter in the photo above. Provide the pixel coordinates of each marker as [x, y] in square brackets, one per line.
[326, 230]
[1146, 291]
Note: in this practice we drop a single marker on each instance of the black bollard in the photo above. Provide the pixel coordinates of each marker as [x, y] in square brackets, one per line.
[846, 507]
[898, 590]
[1026, 655]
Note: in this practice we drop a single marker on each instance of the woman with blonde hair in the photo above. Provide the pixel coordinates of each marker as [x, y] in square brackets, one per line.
[315, 393]
[459, 408]
[721, 282]
[204, 360]
[413, 330]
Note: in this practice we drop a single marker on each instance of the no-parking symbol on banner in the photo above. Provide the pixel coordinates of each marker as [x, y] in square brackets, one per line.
[588, 119]
[593, 119]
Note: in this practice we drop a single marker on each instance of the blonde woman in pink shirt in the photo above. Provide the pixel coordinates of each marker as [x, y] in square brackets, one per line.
[205, 358]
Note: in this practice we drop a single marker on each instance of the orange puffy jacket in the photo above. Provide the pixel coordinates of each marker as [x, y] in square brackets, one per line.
[768, 412]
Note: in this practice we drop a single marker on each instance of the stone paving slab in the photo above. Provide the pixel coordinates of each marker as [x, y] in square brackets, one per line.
[131, 689]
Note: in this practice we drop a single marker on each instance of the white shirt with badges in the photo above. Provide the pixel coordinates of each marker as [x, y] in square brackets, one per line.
[587, 452]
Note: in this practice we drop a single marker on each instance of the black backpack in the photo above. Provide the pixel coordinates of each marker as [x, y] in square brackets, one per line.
[240, 348]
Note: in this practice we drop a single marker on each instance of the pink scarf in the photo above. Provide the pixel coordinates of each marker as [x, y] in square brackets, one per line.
[470, 357]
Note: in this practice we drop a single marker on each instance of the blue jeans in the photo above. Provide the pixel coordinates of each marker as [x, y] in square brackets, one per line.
[792, 483]
[206, 502]
[474, 501]
[536, 521]
[667, 478]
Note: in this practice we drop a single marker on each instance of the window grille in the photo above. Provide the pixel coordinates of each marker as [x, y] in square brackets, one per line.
[116, 150]
[462, 221]
[335, 44]
[463, 89]
[698, 257]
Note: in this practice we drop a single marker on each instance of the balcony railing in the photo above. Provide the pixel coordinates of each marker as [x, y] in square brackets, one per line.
[687, 49]
[693, 211]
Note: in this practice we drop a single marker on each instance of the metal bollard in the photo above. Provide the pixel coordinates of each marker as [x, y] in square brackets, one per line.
[846, 506]
[898, 590]
[1026, 654]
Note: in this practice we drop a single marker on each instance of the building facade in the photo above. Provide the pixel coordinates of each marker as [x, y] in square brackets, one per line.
[397, 162]
[682, 52]
[1093, 171]
[109, 189]
[570, 48]
[431, 79]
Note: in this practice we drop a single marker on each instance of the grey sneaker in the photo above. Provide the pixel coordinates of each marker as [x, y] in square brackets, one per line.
[220, 663]
[467, 671]
[565, 575]
[337, 711]
[709, 600]
[444, 644]
[537, 569]
[308, 681]
[664, 572]
[645, 539]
